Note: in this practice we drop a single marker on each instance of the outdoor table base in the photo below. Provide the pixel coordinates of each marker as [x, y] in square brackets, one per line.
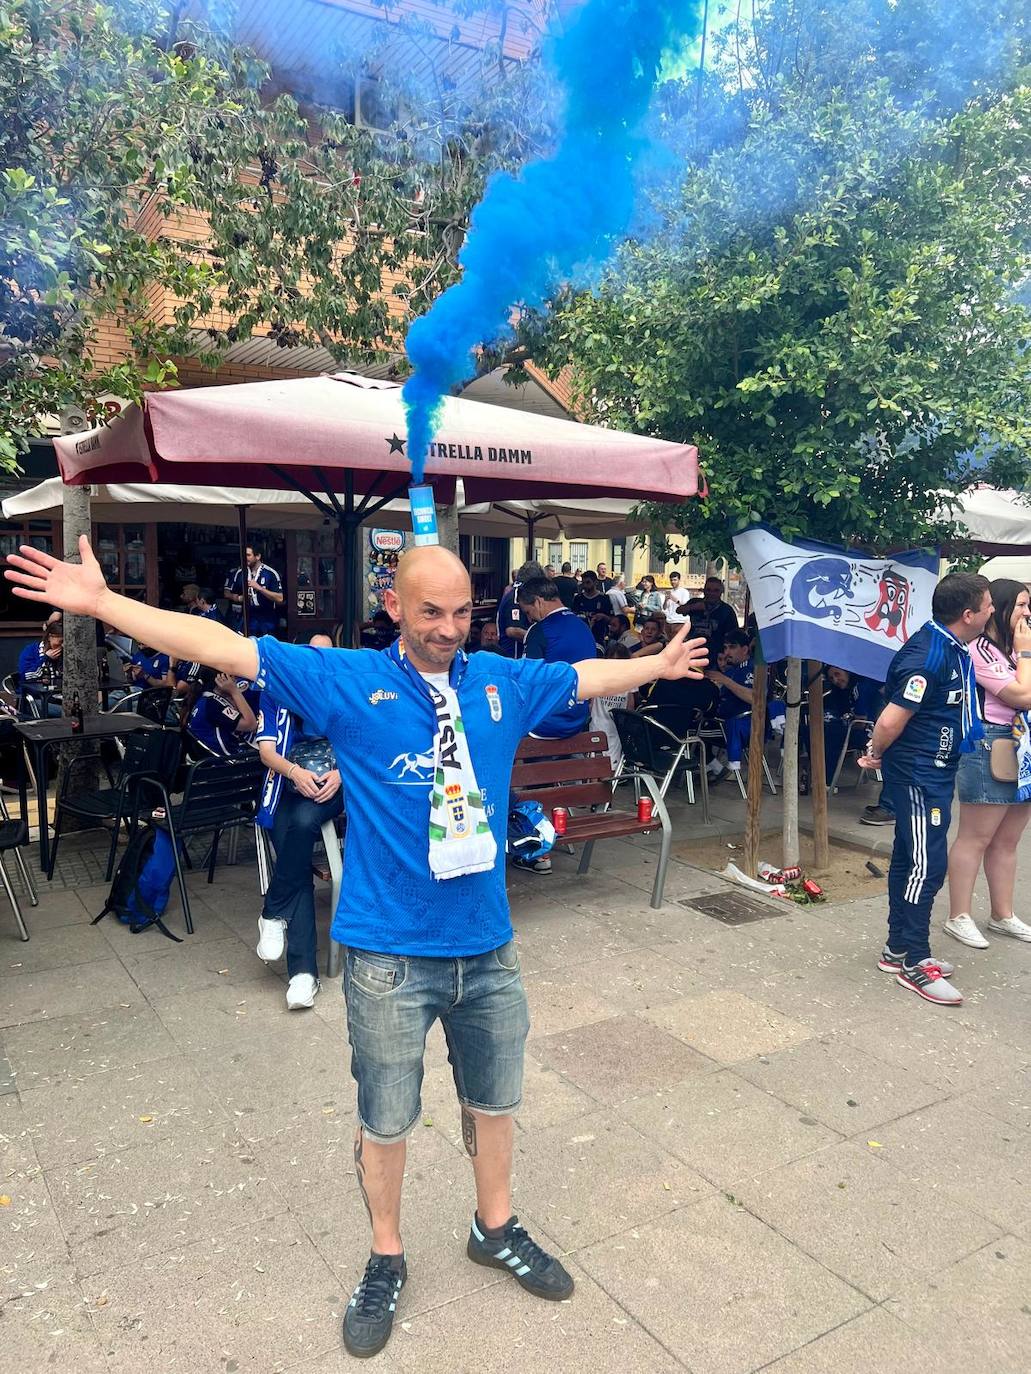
[41, 736]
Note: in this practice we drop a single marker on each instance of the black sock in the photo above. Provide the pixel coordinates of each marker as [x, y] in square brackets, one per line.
[395, 1260]
[494, 1232]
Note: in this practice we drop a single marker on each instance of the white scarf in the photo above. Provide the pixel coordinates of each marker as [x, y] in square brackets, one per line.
[461, 841]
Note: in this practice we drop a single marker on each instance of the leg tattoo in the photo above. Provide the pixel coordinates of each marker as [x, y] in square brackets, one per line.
[469, 1130]
[359, 1168]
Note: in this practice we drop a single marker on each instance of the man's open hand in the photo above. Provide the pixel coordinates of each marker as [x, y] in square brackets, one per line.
[38, 576]
[683, 657]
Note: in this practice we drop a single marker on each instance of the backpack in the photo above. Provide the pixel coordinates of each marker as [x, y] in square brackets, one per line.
[530, 833]
[142, 882]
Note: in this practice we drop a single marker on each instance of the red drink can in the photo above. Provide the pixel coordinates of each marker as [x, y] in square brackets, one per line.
[559, 817]
[811, 888]
[790, 875]
[645, 811]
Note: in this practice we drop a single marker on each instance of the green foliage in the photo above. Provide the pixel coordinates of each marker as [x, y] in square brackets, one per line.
[144, 158]
[829, 308]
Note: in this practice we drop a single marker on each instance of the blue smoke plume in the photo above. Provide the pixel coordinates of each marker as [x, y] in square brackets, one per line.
[562, 216]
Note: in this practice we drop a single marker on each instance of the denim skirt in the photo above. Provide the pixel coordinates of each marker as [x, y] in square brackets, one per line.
[976, 786]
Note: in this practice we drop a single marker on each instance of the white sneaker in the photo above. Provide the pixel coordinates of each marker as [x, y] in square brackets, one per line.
[271, 939]
[301, 991]
[964, 929]
[1011, 926]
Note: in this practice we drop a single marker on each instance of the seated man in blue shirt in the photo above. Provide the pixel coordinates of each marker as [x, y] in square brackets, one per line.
[424, 738]
[555, 635]
[735, 704]
[40, 666]
[222, 720]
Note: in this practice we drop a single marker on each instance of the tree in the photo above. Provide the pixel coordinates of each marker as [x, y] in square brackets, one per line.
[828, 309]
[143, 156]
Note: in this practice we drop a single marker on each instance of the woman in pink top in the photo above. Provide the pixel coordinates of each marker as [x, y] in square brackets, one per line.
[991, 820]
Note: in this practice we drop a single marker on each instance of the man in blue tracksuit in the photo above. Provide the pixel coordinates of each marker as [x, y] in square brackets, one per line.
[931, 717]
[555, 635]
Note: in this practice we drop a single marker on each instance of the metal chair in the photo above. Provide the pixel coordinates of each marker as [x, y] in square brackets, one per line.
[147, 754]
[219, 795]
[651, 747]
[739, 772]
[856, 723]
[14, 831]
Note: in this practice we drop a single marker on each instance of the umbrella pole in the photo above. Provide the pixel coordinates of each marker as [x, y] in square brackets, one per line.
[241, 512]
[531, 522]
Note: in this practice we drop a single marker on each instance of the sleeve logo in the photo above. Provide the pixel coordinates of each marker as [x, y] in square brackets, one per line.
[915, 688]
[493, 701]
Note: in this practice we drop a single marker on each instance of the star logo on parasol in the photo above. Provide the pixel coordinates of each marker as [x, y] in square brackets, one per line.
[396, 445]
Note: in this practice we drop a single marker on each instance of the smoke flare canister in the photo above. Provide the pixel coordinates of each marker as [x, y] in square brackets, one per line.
[644, 809]
[559, 817]
[424, 514]
[790, 875]
[812, 889]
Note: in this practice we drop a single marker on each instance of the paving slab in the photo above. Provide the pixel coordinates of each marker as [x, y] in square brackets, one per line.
[159, 1196]
[66, 991]
[832, 1082]
[988, 1334]
[51, 1328]
[505, 1328]
[76, 1120]
[596, 1176]
[257, 1300]
[55, 909]
[728, 1026]
[848, 1207]
[633, 981]
[875, 1341]
[43, 1052]
[729, 1296]
[965, 1154]
[724, 1127]
[610, 1060]
[165, 970]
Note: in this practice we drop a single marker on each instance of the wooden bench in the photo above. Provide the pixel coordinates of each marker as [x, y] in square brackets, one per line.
[577, 773]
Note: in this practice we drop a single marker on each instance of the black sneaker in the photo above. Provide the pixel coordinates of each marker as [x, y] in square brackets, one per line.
[876, 815]
[537, 1271]
[369, 1318]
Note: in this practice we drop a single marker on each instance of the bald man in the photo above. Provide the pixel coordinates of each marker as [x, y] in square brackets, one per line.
[424, 738]
[300, 794]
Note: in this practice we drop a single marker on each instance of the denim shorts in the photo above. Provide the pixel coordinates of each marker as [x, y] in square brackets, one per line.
[393, 1000]
[975, 784]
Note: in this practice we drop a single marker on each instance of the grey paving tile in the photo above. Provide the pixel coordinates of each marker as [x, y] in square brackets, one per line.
[947, 1051]
[850, 1209]
[92, 1042]
[564, 942]
[256, 1300]
[77, 1120]
[728, 1025]
[831, 1081]
[594, 1176]
[724, 1127]
[54, 949]
[610, 1060]
[505, 1328]
[1008, 1098]
[977, 1310]
[206, 927]
[51, 1328]
[556, 1004]
[160, 1196]
[66, 991]
[170, 969]
[744, 1295]
[634, 981]
[876, 1341]
[55, 909]
[983, 1162]
[224, 1012]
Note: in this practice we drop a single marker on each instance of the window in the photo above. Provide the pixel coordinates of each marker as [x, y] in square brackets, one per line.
[555, 555]
[41, 534]
[696, 565]
[317, 569]
[617, 560]
[578, 555]
[122, 553]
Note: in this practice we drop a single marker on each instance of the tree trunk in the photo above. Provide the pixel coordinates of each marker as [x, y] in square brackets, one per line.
[793, 704]
[756, 748]
[80, 676]
[818, 768]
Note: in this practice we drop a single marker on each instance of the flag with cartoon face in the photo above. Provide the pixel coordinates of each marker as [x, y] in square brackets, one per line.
[832, 604]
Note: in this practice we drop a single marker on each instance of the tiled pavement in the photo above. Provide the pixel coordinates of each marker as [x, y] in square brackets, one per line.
[756, 1151]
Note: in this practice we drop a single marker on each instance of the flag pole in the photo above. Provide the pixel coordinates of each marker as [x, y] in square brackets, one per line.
[818, 766]
[756, 748]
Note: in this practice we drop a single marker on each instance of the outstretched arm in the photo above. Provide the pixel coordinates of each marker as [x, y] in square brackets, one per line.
[609, 677]
[81, 590]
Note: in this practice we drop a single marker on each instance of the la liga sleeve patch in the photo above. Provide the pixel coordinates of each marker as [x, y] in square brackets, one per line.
[915, 689]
